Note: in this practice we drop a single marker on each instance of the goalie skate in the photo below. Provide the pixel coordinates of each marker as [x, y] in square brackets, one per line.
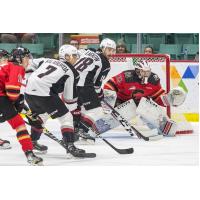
[32, 159]
[4, 144]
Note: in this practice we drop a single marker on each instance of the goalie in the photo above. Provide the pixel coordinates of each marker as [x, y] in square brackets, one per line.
[143, 86]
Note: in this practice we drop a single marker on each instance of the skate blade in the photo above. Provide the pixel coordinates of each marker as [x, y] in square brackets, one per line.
[39, 152]
[36, 164]
[69, 156]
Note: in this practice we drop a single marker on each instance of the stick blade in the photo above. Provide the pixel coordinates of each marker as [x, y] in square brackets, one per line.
[125, 151]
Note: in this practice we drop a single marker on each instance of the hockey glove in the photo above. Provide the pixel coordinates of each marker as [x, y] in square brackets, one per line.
[35, 121]
[137, 95]
[19, 103]
[175, 97]
[76, 118]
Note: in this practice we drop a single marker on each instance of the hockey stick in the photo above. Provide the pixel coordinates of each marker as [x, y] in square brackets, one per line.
[120, 151]
[28, 114]
[128, 127]
[45, 131]
[50, 135]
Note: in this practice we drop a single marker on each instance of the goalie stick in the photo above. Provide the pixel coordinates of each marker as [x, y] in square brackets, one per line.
[120, 151]
[128, 127]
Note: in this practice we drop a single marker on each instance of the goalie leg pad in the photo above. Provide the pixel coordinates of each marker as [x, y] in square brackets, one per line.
[105, 122]
[154, 117]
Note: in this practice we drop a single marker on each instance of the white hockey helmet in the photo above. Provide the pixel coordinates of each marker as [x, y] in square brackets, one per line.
[143, 70]
[67, 50]
[108, 43]
[143, 65]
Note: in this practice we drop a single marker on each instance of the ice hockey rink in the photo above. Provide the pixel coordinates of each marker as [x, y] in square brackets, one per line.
[179, 150]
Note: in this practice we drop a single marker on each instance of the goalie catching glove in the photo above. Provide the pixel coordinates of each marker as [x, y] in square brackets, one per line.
[175, 97]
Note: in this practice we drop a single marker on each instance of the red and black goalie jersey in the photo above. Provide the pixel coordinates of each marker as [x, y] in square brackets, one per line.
[128, 86]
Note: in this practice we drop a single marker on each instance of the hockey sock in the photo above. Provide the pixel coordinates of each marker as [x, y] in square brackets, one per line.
[36, 133]
[23, 137]
[68, 134]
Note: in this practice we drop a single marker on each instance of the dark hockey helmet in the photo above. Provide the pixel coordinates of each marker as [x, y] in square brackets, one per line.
[19, 53]
[4, 53]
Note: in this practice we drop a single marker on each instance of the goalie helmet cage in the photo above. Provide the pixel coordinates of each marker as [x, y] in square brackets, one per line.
[160, 64]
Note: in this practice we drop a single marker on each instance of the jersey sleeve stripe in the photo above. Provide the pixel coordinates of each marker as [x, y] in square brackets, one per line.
[12, 96]
[158, 93]
[16, 87]
[155, 98]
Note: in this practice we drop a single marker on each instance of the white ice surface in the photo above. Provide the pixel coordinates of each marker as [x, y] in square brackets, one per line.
[179, 150]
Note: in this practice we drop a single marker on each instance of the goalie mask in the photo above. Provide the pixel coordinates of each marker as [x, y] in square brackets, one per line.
[143, 71]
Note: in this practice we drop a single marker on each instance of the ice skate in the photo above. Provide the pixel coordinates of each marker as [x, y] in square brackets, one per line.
[32, 159]
[39, 148]
[73, 151]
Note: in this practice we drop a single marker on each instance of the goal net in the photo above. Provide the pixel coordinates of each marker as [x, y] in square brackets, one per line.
[160, 64]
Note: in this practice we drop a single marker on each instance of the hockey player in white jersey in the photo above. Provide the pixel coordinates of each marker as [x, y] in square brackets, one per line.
[42, 91]
[93, 67]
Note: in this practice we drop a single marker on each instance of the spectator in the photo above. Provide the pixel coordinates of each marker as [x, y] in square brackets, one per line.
[121, 47]
[197, 57]
[148, 50]
[18, 37]
[74, 43]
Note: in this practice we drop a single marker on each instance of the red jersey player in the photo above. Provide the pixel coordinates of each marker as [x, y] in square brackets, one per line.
[11, 75]
[135, 84]
[4, 55]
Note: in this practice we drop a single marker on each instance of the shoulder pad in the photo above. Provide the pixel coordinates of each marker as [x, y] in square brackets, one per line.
[130, 76]
[154, 79]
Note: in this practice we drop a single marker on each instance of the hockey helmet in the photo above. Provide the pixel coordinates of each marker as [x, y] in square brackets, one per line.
[19, 53]
[67, 50]
[143, 65]
[143, 70]
[107, 43]
[4, 53]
